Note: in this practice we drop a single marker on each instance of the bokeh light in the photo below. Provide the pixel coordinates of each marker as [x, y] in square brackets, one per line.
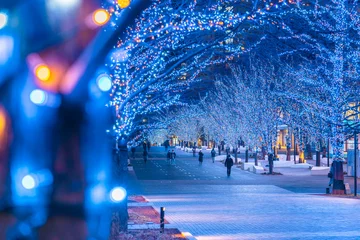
[3, 19]
[101, 17]
[104, 82]
[42, 72]
[123, 3]
[117, 194]
[38, 96]
[28, 182]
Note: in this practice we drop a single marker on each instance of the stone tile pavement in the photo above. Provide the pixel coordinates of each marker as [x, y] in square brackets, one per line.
[258, 212]
[201, 200]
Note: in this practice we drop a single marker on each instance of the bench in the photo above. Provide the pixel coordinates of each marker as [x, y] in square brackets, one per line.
[302, 165]
[320, 171]
[281, 164]
[258, 169]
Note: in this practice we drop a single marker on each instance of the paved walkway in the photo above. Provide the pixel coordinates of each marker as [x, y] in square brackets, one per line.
[203, 201]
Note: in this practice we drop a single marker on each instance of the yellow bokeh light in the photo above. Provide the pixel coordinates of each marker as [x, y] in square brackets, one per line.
[3, 126]
[100, 17]
[123, 3]
[42, 72]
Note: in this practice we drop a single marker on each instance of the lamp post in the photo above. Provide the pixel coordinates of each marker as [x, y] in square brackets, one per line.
[328, 152]
[355, 163]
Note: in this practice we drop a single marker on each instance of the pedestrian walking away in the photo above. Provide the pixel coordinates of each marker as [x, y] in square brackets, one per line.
[168, 156]
[133, 152]
[172, 157]
[229, 162]
[213, 154]
[201, 157]
[148, 146]
[331, 175]
[145, 154]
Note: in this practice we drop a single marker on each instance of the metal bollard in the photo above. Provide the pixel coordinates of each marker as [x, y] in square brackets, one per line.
[162, 217]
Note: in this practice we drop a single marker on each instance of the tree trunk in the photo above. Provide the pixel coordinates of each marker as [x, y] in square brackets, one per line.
[236, 158]
[256, 161]
[246, 155]
[309, 155]
[318, 158]
[287, 153]
[337, 142]
[120, 211]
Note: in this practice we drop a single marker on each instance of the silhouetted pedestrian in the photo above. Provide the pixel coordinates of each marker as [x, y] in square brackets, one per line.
[213, 154]
[194, 151]
[229, 162]
[133, 152]
[201, 157]
[145, 154]
[172, 157]
[168, 155]
[219, 148]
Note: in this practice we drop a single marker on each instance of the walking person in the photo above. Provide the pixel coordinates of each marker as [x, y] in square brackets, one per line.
[133, 152]
[227, 149]
[229, 162]
[194, 151]
[145, 154]
[148, 146]
[213, 154]
[219, 148]
[331, 175]
[168, 156]
[172, 156]
[201, 157]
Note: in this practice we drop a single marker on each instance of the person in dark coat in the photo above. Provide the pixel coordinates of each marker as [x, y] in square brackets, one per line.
[172, 157]
[133, 152]
[201, 157]
[145, 154]
[219, 148]
[213, 154]
[229, 162]
[194, 151]
[168, 155]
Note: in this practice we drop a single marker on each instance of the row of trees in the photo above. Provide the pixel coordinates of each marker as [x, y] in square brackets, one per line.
[291, 62]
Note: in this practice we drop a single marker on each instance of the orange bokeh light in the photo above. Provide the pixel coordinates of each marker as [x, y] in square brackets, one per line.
[101, 17]
[42, 72]
[123, 3]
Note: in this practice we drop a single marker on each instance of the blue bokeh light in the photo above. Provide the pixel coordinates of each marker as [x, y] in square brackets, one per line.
[3, 19]
[38, 96]
[104, 82]
[117, 194]
[28, 182]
